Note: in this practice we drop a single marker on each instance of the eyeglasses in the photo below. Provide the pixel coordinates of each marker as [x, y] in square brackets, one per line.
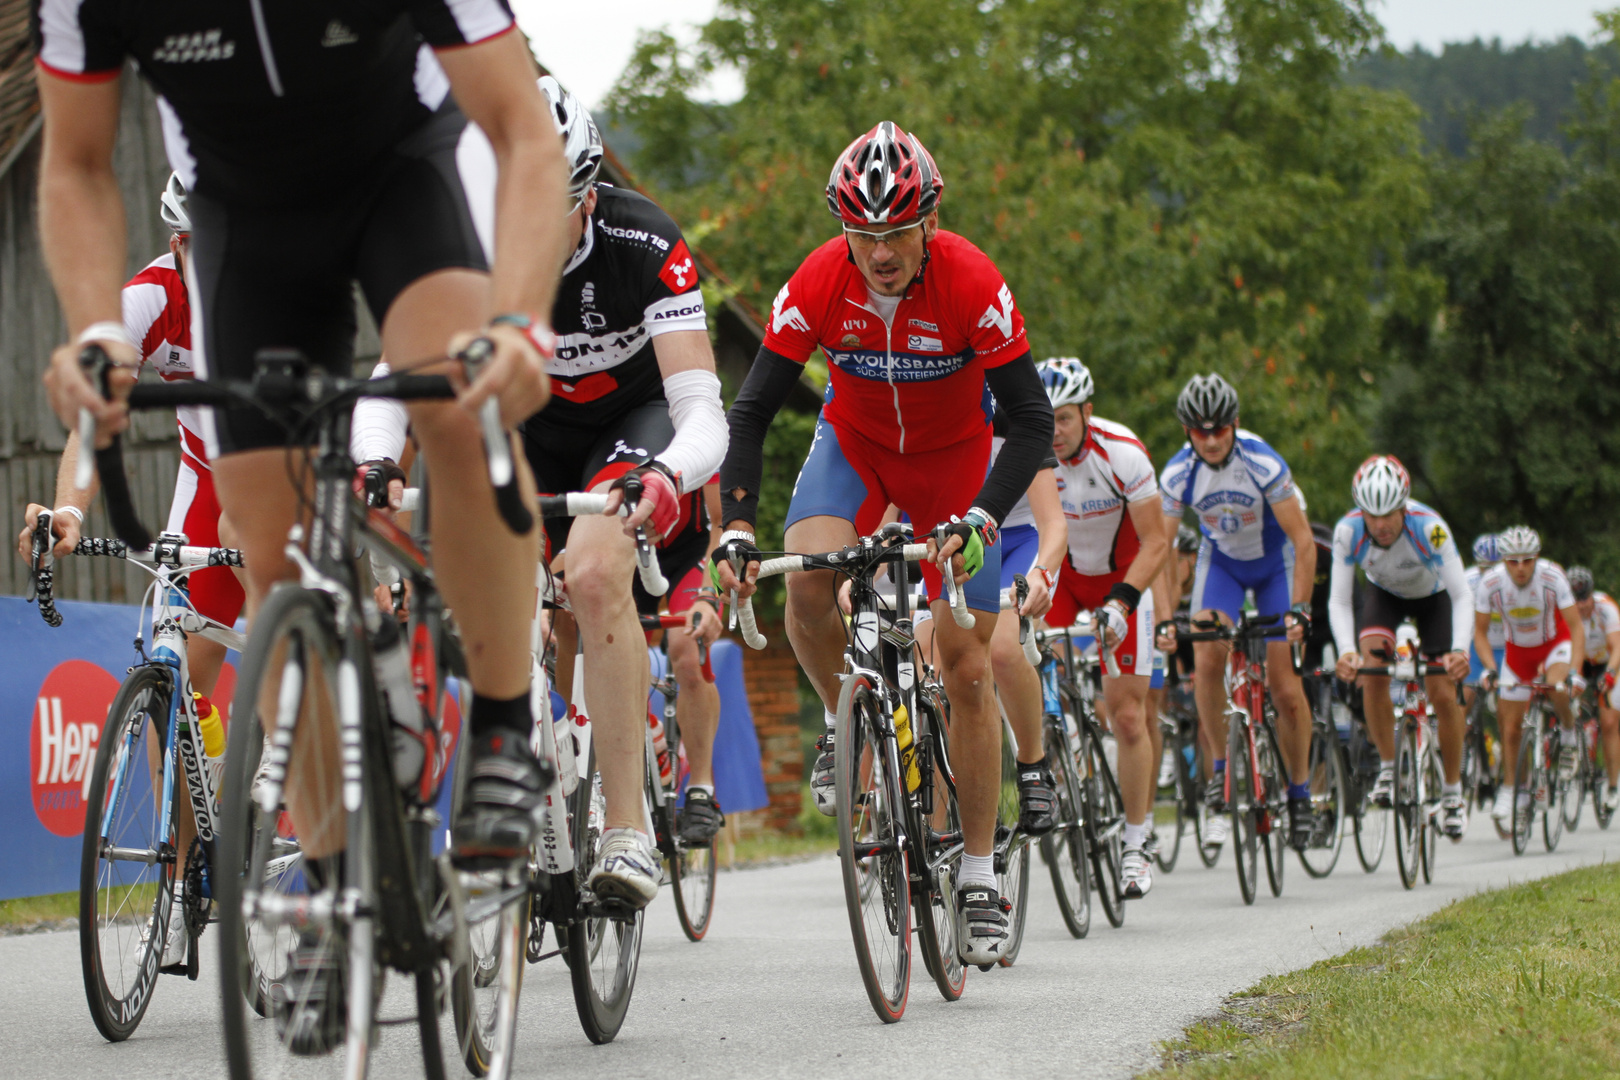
[865, 239]
[1200, 433]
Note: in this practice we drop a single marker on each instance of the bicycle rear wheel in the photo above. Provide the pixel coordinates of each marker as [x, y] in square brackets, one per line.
[869, 799]
[1170, 848]
[604, 950]
[1433, 782]
[933, 896]
[1575, 796]
[1241, 802]
[125, 892]
[485, 989]
[1409, 809]
[1274, 780]
[1012, 853]
[1105, 818]
[272, 898]
[1525, 782]
[1328, 799]
[1557, 788]
[1064, 848]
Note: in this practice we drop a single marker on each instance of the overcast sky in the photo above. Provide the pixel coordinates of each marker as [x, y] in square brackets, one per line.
[587, 45]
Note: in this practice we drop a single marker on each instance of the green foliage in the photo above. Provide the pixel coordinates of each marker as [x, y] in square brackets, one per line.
[1165, 194]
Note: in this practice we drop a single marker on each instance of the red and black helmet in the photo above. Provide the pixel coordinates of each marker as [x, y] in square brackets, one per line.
[884, 177]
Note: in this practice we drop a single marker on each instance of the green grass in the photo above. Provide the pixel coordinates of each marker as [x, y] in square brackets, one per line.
[1522, 982]
[29, 910]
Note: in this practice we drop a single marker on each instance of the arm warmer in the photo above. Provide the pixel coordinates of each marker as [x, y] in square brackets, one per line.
[763, 394]
[379, 425]
[1018, 390]
[1455, 580]
[1341, 593]
[700, 438]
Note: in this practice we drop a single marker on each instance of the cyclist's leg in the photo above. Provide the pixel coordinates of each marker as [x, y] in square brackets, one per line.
[1272, 594]
[964, 660]
[1217, 595]
[697, 705]
[1512, 700]
[1016, 681]
[1609, 739]
[1557, 664]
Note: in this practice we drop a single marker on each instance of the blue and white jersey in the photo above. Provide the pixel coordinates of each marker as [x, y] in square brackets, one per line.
[1233, 502]
[1422, 561]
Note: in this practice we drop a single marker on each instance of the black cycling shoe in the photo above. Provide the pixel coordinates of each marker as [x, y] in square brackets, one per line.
[700, 818]
[1215, 794]
[499, 819]
[1037, 799]
[1301, 823]
[310, 1002]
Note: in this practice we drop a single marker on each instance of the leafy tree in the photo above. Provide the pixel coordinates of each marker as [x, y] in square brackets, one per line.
[1166, 194]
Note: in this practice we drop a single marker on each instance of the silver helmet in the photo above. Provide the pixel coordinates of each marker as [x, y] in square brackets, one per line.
[1207, 402]
[172, 205]
[1519, 542]
[582, 143]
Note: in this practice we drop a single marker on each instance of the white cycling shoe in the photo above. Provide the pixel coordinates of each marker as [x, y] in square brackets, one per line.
[822, 783]
[981, 925]
[174, 938]
[627, 868]
[1135, 874]
[1216, 830]
[1502, 807]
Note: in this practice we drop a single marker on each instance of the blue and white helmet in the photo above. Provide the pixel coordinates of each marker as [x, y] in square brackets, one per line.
[1485, 549]
[1068, 381]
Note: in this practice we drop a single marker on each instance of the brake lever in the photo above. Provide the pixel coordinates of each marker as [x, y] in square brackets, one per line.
[497, 446]
[95, 363]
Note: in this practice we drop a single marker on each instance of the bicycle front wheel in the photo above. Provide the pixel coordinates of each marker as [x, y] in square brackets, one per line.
[1409, 809]
[1064, 848]
[273, 899]
[1525, 783]
[1557, 788]
[1433, 783]
[1173, 758]
[1328, 800]
[1241, 801]
[1105, 817]
[125, 891]
[604, 951]
[1575, 796]
[876, 870]
[1274, 780]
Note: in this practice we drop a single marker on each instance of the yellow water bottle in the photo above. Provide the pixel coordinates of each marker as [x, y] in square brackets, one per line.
[212, 726]
[908, 749]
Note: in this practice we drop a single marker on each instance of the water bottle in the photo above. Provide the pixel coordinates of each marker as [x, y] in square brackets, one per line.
[908, 750]
[666, 771]
[391, 662]
[212, 727]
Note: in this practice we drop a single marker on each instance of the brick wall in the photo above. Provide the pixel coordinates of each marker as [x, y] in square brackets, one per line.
[772, 676]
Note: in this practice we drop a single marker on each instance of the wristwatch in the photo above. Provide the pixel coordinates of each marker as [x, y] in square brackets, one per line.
[539, 334]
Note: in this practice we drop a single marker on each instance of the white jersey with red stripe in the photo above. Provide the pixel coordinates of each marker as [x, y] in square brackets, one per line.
[1111, 469]
[1531, 614]
[157, 315]
[1495, 635]
[1604, 620]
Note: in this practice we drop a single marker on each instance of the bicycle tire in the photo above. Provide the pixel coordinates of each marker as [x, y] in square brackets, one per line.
[691, 868]
[1552, 818]
[1408, 810]
[1064, 848]
[1433, 783]
[1578, 784]
[1105, 817]
[1524, 786]
[934, 892]
[1240, 785]
[116, 905]
[868, 790]
[1170, 851]
[604, 953]
[1599, 767]
[258, 846]
[1276, 820]
[1012, 847]
[1330, 799]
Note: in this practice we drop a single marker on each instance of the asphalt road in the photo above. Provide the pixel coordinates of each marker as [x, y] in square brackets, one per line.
[774, 991]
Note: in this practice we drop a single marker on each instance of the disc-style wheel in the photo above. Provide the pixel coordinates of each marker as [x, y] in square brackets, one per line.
[604, 949]
[1329, 799]
[1242, 801]
[876, 870]
[1064, 848]
[125, 896]
[291, 670]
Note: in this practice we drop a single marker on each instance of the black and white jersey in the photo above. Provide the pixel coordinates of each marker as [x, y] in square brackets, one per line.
[266, 102]
[631, 279]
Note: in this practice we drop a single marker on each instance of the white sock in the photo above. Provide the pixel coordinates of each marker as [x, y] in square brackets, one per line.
[1135, 835]
[1386, 767]
[832, 721]
[1451, 789]
[976, 870]
[706, 788]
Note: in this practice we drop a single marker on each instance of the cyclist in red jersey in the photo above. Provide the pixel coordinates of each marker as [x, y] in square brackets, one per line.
[920, 331]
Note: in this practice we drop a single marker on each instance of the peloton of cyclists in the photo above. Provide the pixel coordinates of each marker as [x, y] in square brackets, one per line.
[1546, 641]
[1413, 571]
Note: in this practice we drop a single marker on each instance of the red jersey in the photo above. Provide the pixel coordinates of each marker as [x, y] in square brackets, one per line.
[916, 383]
[157, 315]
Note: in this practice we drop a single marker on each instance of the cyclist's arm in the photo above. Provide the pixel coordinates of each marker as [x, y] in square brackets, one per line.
[1341, 592]
[494, 83]
[686, 361]
[1150, 558]
[82, 227]
[1482, 640]
[1455, 579]
[1050, 525]
[1298, 530]
[1577, 638]
[1019, 391]
[380, 425]
[1167, 590]
[1614, 650]
[770, 380]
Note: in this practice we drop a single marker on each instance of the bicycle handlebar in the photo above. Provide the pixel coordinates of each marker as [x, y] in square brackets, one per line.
[41, 578]
[794, 564]
[584, 504]
[1013, 600]
[1418, 671]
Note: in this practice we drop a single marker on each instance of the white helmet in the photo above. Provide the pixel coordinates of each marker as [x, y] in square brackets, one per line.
[1068, 382]
[1381, 485]
[1519, 542]
[172, 205]
[582, 143]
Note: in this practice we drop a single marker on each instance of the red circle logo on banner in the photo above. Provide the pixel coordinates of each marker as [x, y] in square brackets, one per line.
[69, 713]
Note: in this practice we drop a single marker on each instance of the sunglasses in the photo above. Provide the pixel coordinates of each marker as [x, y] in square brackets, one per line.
[871, 239]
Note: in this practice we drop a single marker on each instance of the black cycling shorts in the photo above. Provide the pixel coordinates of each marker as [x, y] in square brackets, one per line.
[284, 275]
[567, 459]
[1382, 611]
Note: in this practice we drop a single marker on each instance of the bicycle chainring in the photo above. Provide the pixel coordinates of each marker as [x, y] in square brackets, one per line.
[196, 906]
